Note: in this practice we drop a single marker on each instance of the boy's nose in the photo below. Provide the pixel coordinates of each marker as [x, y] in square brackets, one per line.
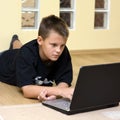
[58, 49]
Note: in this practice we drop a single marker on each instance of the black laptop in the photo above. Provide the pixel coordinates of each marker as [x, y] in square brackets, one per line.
[97, 87]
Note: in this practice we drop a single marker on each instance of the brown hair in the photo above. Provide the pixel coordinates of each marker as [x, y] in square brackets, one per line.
[54, 23]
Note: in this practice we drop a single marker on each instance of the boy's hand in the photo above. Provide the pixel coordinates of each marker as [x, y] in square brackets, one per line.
[44, 96]
[62, 92]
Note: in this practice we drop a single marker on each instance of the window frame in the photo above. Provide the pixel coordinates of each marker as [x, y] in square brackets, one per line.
[71, 11]
[106, 12]
[37, 14]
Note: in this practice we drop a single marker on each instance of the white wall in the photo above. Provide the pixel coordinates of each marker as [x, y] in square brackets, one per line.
[81, 38]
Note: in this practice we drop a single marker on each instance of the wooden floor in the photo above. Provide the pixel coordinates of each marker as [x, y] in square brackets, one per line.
[92, 59]
[10, 95]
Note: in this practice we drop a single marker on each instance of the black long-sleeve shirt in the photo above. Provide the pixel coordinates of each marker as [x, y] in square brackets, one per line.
[24, 66]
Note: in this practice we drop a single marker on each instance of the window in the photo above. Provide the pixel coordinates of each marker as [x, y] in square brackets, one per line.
[101, 20]
[29, 14]
[67, 12]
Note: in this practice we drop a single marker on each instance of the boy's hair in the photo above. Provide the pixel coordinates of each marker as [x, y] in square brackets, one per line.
[54, 23]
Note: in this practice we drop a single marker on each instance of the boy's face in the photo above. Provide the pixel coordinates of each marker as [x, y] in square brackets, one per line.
[52, 47]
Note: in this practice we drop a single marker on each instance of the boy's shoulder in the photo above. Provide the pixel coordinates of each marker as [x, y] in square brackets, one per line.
[31, 43]
[66, 51]
[65, 55]
[30, 48]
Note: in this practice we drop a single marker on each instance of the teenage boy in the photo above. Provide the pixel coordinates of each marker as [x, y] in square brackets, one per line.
[35, 66]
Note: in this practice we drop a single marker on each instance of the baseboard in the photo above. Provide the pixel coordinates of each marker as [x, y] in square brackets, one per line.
[95, 51]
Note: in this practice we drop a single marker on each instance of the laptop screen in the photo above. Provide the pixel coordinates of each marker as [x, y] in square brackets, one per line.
[97, 85]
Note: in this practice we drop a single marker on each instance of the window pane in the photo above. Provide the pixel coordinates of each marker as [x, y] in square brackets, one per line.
[65, 3]
[29, 14]
[28, 3]
[67, 11]
[100, 19]
[99, 4]
[28, 19]
[66, 16]
[101, 14]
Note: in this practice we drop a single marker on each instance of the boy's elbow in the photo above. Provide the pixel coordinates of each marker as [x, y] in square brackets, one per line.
[29, 91]
[25, 91]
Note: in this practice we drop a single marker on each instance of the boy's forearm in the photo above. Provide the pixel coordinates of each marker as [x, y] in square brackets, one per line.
[33, 91]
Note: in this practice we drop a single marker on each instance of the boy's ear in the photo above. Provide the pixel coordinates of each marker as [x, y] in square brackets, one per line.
[39, 40]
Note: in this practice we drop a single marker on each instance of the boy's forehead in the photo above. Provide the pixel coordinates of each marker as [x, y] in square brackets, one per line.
[56, 38]
[54, 34]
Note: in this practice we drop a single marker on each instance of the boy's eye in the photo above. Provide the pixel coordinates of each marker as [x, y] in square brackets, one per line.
[62, 46]
[54, 45]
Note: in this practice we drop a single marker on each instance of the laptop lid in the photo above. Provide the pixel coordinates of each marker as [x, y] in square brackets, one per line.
[97, 86]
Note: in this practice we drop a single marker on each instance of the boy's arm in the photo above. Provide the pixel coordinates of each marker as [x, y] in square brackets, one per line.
[45, 92]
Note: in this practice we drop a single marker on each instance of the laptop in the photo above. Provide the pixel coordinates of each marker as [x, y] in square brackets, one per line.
[97, 87]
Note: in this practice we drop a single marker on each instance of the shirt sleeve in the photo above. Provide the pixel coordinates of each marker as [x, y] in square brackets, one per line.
[25, 70]
[64, 71]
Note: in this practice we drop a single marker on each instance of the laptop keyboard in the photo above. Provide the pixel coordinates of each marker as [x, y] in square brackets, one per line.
[60, 103]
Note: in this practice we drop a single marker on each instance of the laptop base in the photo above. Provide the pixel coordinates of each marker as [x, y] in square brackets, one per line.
[97, 87]
[70, 112]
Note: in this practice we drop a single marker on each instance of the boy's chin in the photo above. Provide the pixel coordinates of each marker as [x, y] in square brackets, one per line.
[54, 59]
